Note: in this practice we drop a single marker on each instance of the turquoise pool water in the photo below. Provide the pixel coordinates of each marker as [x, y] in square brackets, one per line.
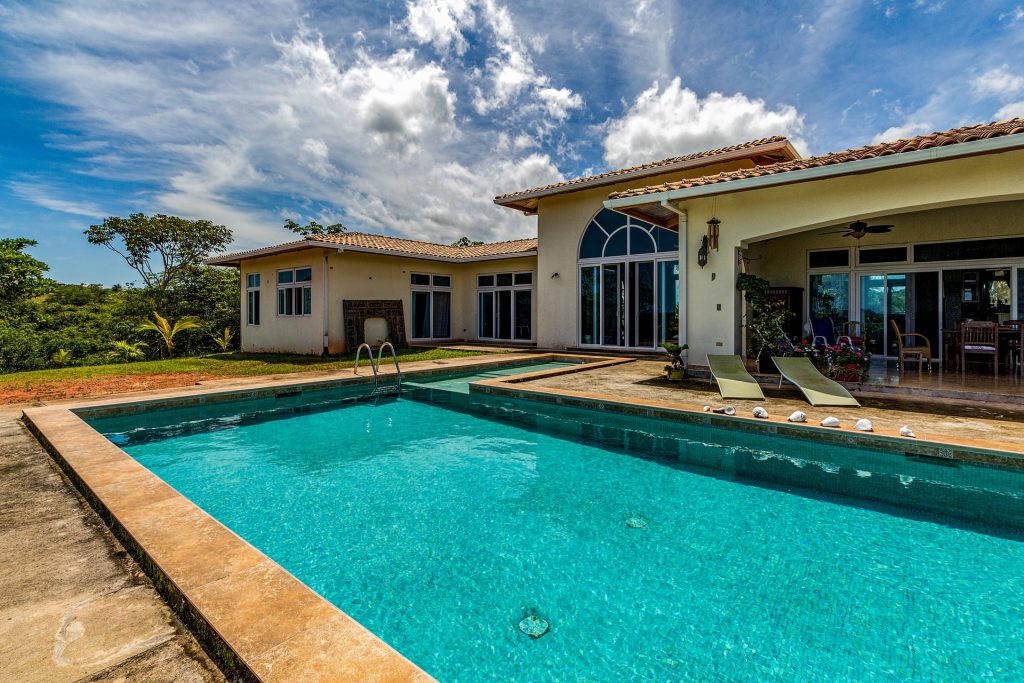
[657, 552]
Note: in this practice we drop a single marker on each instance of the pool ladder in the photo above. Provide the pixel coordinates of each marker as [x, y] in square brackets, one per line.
[378, 388]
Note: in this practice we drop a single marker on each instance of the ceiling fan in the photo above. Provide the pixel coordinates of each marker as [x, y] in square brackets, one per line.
[858, 229]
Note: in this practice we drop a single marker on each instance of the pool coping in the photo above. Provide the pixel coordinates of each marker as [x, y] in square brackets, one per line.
[255, 619]
[974, 451]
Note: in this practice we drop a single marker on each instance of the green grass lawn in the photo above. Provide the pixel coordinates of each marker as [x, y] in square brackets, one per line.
[36, 383]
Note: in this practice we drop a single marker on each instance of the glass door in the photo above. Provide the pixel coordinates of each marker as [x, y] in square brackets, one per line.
[911, 300]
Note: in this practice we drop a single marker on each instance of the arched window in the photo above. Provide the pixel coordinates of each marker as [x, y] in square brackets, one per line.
[612, 234]
[629, 283]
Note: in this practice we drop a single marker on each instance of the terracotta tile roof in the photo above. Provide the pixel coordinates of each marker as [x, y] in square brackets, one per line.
[386, 244]
[955, 136]
[775, 147]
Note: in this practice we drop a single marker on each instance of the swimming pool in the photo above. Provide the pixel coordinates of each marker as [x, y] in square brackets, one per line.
[654, 550]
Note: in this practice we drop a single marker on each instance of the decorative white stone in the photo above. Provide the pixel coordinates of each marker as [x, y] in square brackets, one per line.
[864, 425]
[725, 410]
[707, 409]
[798, 416]
[830, 421]
[907, 432]
[760, 412]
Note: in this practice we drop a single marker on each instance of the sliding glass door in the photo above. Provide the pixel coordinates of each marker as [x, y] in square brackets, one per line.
[911, 300]
[505, 306]
[631, 304]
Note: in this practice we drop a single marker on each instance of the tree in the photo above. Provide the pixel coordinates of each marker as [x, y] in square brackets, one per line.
[21, 276]
[160, 247]
[466, 242]
[167, 331]
[314, 229]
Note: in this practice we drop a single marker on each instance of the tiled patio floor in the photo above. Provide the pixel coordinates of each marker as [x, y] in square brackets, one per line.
[940, 417]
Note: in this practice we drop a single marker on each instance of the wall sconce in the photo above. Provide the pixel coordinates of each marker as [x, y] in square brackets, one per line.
[702, 253]
[713, 232]
[555, 275]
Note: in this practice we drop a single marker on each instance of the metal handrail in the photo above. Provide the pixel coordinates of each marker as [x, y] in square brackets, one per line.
[394, 357]
[369, 352]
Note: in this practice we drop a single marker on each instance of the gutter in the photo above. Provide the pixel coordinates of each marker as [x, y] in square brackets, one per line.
[922, 156]
[233, 260]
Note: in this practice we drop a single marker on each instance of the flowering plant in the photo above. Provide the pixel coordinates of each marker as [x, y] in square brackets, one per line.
[838, 361]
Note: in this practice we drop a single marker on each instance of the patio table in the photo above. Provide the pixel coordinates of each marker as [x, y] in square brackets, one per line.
[1010, 336]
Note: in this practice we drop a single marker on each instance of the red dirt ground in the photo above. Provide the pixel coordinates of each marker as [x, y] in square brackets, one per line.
[98, 386]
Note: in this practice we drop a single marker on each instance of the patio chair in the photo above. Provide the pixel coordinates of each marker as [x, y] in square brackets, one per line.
[1016, 344]
[823, 331]
[922, 353]
[979, 338]
[853, 334]
[733, 379]
[818, 389]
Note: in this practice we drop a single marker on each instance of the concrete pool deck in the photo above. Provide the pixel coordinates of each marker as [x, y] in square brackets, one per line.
[258, 621]
[264, 624]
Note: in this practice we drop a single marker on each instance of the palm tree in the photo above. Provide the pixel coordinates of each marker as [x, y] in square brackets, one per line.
[167, 331]
[224, 340]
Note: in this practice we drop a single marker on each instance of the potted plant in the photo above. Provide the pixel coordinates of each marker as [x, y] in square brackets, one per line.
[676, 370]
[765, 321]
[847, 363]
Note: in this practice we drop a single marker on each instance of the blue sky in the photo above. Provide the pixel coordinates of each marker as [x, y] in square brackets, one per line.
[407, 117]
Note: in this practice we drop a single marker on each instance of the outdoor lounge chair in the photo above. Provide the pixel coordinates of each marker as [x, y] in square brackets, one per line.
[733, 379]
[818, 389]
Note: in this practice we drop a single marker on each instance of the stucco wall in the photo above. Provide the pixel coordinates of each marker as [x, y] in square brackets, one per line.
[358, 275]
[753, 215]
[286, 334]
[561, 221]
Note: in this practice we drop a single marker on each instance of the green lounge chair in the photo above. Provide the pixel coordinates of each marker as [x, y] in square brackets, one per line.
[733, 379]
[818, 389]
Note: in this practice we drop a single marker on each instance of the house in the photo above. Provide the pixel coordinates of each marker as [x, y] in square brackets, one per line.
[628, 259]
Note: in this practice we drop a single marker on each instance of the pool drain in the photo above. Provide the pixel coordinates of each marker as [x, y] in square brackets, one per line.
[534, 626]
[636, 522]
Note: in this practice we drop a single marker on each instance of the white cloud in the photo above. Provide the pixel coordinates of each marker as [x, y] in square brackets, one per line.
[1014, 15]
[1011, 111]
[45, 196]
[929, 6]
[441, 22]
[314, 155]
[906, 130]
[673, 121]
[998, 82]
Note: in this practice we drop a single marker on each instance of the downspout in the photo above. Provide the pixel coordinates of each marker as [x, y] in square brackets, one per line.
[683, 270]
[327, 305]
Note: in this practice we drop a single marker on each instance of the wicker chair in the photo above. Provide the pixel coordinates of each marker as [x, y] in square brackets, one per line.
[921, 353]
[979, 338]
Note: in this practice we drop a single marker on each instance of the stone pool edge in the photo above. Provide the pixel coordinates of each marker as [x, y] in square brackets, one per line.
[257, 621]
[974, 451]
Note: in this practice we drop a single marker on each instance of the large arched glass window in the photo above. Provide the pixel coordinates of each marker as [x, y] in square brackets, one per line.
[629, 283]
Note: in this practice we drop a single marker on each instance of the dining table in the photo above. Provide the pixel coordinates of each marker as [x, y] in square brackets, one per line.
[1010, 338]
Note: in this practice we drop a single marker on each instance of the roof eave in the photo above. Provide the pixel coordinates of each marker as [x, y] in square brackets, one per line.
[235, 260]
[514, 202]
[922, 156]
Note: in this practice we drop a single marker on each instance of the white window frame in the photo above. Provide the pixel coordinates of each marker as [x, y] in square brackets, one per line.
[430, 288]
[512, 312]
[293, 285]
[252, 300]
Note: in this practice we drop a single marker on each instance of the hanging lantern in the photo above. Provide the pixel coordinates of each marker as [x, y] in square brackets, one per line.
[702, 253]
[713, 233]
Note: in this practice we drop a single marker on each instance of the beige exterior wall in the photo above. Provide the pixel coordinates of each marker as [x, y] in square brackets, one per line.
[754, 215]
[357, 275]
[286, 334]
[561, 221]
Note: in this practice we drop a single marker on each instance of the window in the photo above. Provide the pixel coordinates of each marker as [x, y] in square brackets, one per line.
[628, 283]
[882, 255]
[252, 299]
[1004, 247]
[431, 306]
[295, 292]
[831, 258]
[505, 306]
